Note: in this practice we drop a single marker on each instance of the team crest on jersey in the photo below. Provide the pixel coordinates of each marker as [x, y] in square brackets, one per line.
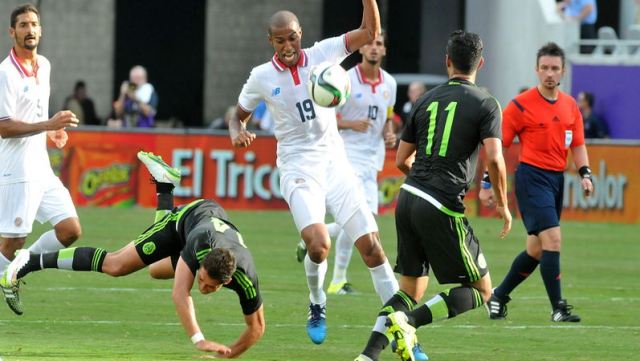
[359, 95]
[275, 91]
[386, 94]
[25, 89]
[18, 222]
[148, 248]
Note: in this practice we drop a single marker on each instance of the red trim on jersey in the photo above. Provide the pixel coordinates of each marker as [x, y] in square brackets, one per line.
[280, 66]
[346, 43]
[364, 80]
[17, 62]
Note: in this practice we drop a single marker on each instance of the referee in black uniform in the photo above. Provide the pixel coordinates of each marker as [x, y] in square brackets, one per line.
[438, 152]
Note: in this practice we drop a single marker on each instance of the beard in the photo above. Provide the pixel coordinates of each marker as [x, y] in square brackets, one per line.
[27, 46]
[372, 61]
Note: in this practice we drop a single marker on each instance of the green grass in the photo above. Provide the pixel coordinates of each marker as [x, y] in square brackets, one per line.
[86, 316]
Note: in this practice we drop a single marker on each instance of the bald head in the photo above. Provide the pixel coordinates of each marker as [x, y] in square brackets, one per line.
[283, 19]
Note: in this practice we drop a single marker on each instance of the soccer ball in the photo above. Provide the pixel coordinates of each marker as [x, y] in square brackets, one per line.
[329, 85]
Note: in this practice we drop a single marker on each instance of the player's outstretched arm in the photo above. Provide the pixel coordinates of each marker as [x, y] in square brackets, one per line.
[369, 29]
[181, 295]
[498, 176]
[13, 128]
[251, 335]
[240, 136]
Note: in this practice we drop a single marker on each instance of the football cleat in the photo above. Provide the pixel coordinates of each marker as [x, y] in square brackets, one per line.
[562, 313]
[316, 323]
[418, 352]
[159, 169]
[404, 334]
[301, 251]
[10, 284]
[497, 307]
[341, 288]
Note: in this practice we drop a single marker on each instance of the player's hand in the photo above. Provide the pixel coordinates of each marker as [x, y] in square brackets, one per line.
[210, 346]
[360, 125]
[61, 120]
[389, 139]
[587, 186]
[505, 214]
[486, 197]
[124, 87]
[59, 137]
[243, 139]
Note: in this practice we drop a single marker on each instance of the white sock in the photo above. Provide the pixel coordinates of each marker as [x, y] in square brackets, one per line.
[46, 243]
[380, 325]
[384, 281]
[343, 249]
[4, 262]
[333, 229]
[315, 280]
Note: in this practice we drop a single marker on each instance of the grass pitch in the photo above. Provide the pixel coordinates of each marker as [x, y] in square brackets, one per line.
[87, 316]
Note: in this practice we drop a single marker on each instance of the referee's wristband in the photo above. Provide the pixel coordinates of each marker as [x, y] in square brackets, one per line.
[485, 183]
[585, 172]
[197, 337]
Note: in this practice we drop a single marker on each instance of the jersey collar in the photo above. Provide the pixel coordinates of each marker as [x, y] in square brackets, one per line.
[280, 66]
[17, 62]
[363, 79]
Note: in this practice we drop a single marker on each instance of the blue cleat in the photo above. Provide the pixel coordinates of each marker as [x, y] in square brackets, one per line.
[418, 352]
[316, 323]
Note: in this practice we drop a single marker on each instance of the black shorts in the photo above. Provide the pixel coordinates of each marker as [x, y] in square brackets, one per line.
[430, 238]
[160, 241]
[539, 193]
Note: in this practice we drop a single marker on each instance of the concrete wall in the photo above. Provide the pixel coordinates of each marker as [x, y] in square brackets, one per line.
[236, 41]
[512, 32]
[78, 39]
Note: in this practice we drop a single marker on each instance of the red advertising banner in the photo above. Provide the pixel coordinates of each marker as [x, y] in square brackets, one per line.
[99, 167]
[616, 178]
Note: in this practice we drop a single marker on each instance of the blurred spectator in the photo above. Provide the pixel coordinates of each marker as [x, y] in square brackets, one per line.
[594, 127]
[585, 11]
[415, 90]
[81, 105]
[223, 122]
[136, 106]
[261, 118]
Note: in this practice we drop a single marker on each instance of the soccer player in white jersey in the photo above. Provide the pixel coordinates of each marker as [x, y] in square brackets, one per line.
[29, 190]
[366, 128]
[315, 174]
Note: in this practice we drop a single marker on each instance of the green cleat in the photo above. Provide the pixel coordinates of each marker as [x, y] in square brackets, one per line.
[341, 288]
[404, 334]
[301, 251]
[10, 284]
[159, 169]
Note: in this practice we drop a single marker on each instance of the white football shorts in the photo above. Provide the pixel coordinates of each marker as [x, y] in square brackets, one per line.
[22, 203]
[368, 177]
[332, 186]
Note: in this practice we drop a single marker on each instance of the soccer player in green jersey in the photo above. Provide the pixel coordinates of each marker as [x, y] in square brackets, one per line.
[191, 242]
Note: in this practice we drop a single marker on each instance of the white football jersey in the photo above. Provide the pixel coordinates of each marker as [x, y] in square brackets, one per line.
[24, 97]
[306, 132]
[373, 101]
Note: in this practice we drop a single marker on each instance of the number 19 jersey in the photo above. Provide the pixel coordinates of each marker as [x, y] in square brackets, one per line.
[305, 131]
[447, 125]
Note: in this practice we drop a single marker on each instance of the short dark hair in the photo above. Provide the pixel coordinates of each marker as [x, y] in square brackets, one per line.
[589, 98]
[465, 50]
[220, 264]
[550, 49]
[80, 84]
[22, 9]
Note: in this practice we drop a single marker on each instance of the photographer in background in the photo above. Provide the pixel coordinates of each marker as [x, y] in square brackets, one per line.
[136, 106]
